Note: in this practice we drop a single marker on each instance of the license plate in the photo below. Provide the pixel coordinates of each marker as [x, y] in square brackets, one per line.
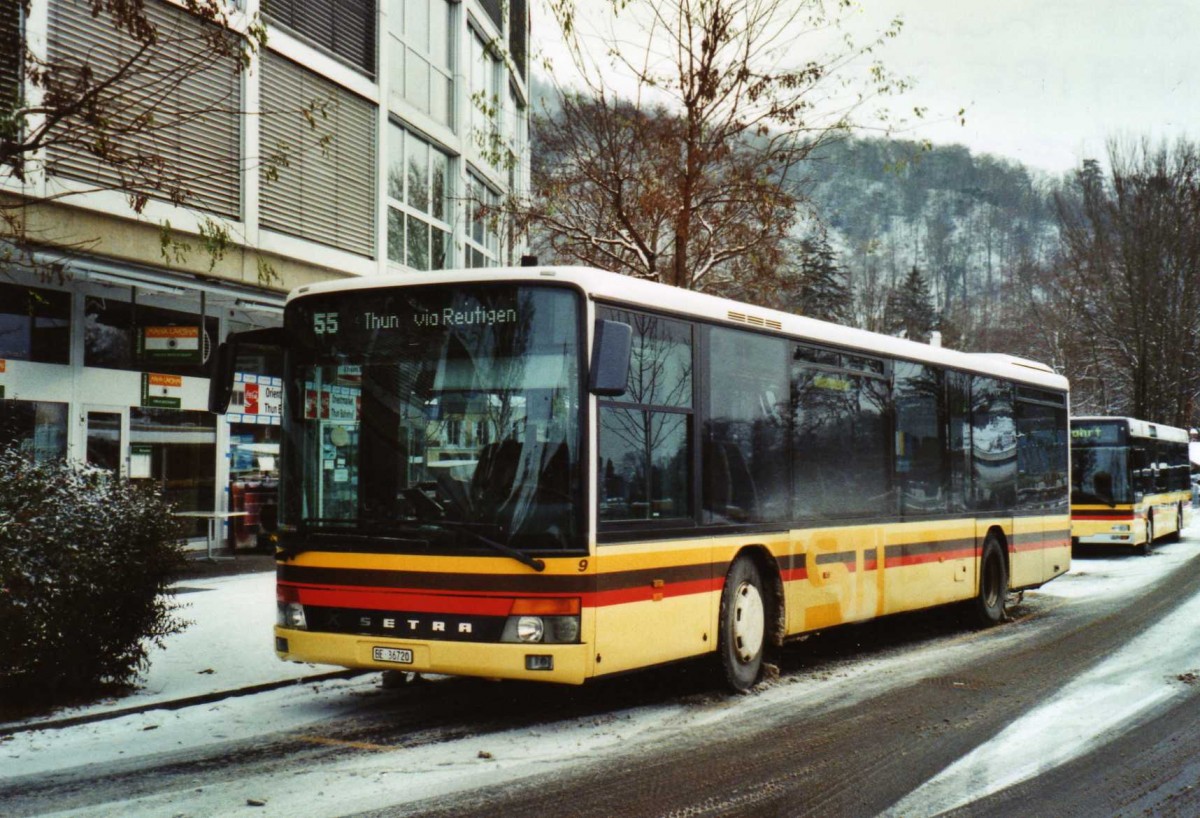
[401, 656]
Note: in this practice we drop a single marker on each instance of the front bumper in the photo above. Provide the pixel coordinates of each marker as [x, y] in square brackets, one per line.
[570, 663]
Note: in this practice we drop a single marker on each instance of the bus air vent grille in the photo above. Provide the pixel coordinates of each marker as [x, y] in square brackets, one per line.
[754, 320]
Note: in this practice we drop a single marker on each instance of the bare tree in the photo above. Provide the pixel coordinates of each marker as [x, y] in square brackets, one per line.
[678, 160]
[1129, 276]
[120, 113]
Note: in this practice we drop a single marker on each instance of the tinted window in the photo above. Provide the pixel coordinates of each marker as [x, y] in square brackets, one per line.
[126, 335]
[646, 434]
[921, 444]
[993, 444]
[958, 410]
[840, 449]
[36, 428]
[746, 440]
[35, 324]
[644, 464]
[1041, 457]
[660, 369]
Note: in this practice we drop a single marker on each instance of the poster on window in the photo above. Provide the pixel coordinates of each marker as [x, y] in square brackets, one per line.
[256, 399]
[162, 391]
[173, 343]
[342, 404]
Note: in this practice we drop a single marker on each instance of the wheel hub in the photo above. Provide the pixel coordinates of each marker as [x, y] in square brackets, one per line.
[749, 622]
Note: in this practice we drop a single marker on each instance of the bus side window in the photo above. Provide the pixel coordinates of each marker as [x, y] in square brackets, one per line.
[840, 445]
[921, 445]
[993, 444]
[746, 444]
[645, 447]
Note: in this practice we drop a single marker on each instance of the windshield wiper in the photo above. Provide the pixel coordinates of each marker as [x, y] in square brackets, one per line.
[339, 530]
[426, 508]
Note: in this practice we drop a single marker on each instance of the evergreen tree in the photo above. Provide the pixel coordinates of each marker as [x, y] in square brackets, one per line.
[819, 288]
[909, 312]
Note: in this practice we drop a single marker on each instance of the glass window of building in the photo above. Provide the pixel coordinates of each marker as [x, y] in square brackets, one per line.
[421, 58]
[36, 428]
[482, 233]
[121, 334]
[418, 202]
[487, 73]
[182, 447]
[35, 324]
[345, 28]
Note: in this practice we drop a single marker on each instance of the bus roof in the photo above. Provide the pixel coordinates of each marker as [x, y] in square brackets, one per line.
[622, 289]
[1141, 428]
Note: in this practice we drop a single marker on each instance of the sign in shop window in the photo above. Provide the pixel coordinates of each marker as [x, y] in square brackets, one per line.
[162, 391]
[140, 460]
[180, 344]
[256, 399]
[336, 403]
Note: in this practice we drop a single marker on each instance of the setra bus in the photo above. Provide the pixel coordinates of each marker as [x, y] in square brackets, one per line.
[560, 473]
[1130, 482]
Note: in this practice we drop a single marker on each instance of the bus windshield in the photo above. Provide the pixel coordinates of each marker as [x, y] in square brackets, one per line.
[1100, 474]
[435, 417]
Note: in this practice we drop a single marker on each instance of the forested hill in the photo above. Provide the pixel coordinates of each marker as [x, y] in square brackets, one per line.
[966, 221]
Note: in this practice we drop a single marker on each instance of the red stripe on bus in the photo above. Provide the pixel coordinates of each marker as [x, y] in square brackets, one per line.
[932, 556]
[388, 600]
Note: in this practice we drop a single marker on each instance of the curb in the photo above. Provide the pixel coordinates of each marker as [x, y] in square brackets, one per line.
[175, 704]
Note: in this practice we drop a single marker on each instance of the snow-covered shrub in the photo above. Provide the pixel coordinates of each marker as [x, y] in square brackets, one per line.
[85, 560]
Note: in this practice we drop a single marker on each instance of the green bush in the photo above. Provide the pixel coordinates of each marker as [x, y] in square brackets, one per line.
[85, 561]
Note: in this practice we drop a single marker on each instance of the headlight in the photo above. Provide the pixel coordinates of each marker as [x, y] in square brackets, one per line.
[543, 621]
[291, 615]
[1124, 527]
[530, 628]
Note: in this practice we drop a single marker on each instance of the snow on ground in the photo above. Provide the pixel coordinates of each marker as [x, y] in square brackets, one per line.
[1094, 705]
[237, 613]
[228, 644]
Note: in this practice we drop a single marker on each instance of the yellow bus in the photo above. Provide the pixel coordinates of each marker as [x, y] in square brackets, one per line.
[559, 474]
[1130, 482]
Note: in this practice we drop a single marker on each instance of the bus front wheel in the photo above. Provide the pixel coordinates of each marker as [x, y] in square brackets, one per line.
[992, 597]
[1148, 545]
[743, 625]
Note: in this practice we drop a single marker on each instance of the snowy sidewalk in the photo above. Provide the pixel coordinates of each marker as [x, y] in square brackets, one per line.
[228, 646]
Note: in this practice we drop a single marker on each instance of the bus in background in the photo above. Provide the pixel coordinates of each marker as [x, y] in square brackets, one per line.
[560, 473]
[1130, 482]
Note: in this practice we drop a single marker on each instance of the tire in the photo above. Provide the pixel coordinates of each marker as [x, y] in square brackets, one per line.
[1148, 545]
[743, 625]
[988, 607]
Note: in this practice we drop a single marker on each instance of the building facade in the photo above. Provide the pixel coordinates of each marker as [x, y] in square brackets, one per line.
[361, 138]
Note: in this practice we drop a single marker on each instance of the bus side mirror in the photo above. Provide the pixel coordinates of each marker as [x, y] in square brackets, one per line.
[610, 358]
[220, 378]
[221, 368]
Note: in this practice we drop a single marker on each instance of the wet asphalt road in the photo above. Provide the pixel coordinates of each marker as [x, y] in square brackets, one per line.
[862, 750]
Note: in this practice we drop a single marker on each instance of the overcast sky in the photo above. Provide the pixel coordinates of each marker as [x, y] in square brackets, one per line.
[1044, 82]
[1047, 81]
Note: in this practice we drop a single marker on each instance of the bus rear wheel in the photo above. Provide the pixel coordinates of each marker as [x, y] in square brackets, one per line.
[989, 604]
[743, 625]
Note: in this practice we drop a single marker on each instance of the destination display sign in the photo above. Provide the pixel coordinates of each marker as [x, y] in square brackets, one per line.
[368, 320]
[1097, 434]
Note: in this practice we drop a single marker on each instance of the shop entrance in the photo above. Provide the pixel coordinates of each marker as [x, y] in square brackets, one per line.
[106, 432]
